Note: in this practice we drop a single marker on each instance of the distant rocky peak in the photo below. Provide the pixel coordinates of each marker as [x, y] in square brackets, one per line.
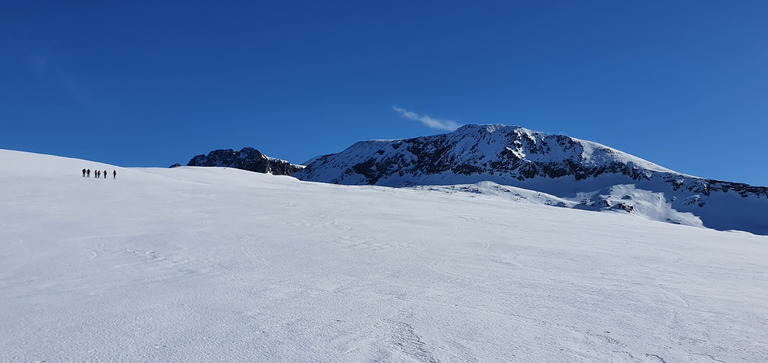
[247, 158]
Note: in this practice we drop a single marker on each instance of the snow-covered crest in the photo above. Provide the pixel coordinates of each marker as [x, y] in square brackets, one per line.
[560, 165]
[473, 153]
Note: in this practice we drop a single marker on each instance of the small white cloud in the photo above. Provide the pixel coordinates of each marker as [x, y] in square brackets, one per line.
[447, 125]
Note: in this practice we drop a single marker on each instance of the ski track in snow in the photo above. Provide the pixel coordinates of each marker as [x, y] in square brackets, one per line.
[217, 264]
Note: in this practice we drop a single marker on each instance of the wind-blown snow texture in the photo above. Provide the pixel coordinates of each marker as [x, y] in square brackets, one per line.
[219, 264]
[591, 175]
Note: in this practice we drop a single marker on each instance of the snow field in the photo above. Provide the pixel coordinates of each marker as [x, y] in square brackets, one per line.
[213, 264]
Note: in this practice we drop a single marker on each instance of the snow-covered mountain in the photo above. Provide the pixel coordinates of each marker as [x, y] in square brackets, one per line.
[588, 174]
[247, 159]
[194, 264]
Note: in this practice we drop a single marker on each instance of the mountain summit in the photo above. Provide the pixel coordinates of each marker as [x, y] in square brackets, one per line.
[506, 154]
[247, 159]
[591, 175]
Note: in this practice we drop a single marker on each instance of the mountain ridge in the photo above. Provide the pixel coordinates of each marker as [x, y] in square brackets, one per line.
[556, 164]
[247, 158]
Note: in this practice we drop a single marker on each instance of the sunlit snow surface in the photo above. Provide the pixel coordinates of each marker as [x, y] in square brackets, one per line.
[213, 264]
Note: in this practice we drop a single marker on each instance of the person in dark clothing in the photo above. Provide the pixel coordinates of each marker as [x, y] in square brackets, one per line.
[114, 174]
[83, 173]
[88, 172]
[105, 174]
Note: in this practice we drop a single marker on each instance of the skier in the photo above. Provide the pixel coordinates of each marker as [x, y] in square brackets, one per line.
[105, 174]
[96, 174]
[83, 173]
[114, 174]
[88, 172]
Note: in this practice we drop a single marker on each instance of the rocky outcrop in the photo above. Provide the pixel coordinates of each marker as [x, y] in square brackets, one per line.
[247, 159]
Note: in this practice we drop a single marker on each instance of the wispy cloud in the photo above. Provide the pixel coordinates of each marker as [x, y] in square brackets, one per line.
[447, 125]
[46, 68]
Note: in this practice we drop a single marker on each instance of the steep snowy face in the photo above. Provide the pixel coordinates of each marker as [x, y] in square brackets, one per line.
[583, 172]
[247, 159]
[475, 153]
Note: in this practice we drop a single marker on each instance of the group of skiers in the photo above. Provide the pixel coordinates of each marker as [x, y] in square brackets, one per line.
[98, 173]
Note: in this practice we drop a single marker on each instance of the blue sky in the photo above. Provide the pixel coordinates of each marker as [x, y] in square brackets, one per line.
[683, 84]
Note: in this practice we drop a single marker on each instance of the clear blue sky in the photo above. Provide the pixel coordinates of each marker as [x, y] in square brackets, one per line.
[683, 84]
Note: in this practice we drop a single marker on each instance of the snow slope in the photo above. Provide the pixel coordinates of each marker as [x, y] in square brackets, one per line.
[213, 264]
[617, 198]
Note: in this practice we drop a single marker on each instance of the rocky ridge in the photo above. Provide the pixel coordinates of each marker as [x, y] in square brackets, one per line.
[560, 165]
[247, 159]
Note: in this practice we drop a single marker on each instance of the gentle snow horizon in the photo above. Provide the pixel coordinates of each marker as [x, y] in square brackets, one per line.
[217, 264]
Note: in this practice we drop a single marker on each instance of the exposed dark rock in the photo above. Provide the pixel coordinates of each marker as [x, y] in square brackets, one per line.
[247, 159]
